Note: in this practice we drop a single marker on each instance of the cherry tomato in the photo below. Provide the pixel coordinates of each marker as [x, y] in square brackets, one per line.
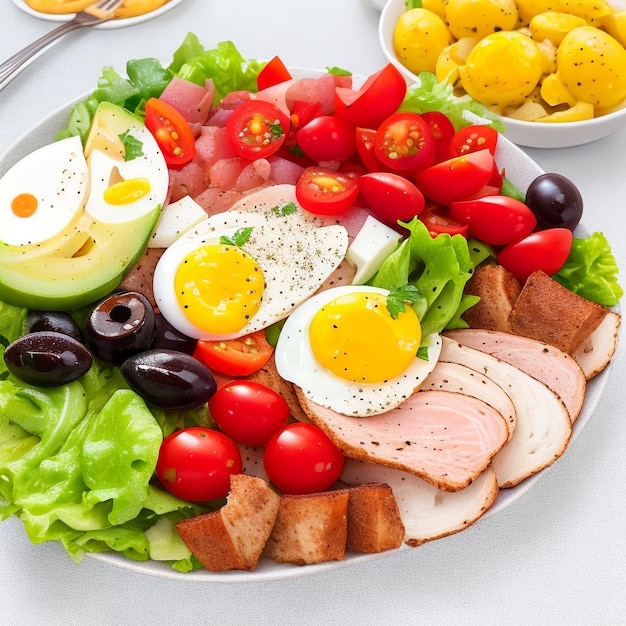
[300, 458]
[555, 201]
[302, 112]
[457, 178]
[327, 138]
[443, 131]
[235, 357]
[171, 131]
[391, 197]
[326, 192]
[496, 220]
[472, 139]
[256, 129]
[545, 250]
[196, 463]
[248, 411]
[365, 149]
[272, 74]
[379, 96]
[437, 220]
[404, 141]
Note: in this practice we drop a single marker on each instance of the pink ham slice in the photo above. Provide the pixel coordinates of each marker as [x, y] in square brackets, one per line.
[556, 369]
[446, 438]
[192, 101]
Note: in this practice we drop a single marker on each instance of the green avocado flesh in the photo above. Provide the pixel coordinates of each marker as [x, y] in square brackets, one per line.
[48, 277]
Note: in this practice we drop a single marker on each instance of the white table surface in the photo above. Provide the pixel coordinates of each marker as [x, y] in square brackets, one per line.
[555, 556]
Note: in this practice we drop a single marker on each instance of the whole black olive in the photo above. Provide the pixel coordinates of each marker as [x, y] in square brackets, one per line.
[119, 326]
[166, 337]
[47, 358]
[56, 321]
[555, 201]
[169, 379]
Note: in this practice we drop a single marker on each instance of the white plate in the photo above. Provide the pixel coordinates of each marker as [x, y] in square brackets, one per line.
[129, 21]
[521, 170]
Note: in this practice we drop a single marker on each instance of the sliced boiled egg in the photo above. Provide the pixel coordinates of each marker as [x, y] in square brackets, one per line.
[346, 351]
[43, 193]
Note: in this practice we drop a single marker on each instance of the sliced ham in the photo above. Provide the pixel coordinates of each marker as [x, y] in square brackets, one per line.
[192, 101]
[317, 89]
[595, 353]
[556, 369]
[462, 379]
[428, 512]
[543, 426]
[216, 200]
[213, 146]
[446, 438]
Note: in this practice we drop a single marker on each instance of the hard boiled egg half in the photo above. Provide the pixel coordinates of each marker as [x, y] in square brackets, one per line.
[347, 352]
[242, 270]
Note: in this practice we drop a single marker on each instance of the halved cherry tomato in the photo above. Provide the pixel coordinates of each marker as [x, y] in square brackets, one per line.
[302, 112]
[379, 96]
[235, 357]
[472, 139]
[171, 131]
[272, 74]
[443, 131]
[391, 197]
[545, 250]
[404, 141]
[365, 149]
[196, 463]
[437, 220]
[300, 458]
[256, 129]
[326, 192]
[496, 220]
[327, 138]
[248, 412]
[457, 178]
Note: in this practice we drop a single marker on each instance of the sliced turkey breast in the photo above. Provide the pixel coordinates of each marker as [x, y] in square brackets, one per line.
[594, 354]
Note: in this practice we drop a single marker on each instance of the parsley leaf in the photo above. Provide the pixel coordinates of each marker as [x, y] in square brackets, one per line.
[337, 71]
[399, 297]
[287, 209]
[239, 237]
[133, 148]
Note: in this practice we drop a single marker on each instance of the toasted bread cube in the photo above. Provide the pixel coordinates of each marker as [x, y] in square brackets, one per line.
[310, 528]
[234, 536]
[374, 522]
[498, 290]
[549, 312]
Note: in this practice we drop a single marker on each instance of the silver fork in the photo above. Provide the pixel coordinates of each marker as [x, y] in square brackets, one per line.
[96, 13]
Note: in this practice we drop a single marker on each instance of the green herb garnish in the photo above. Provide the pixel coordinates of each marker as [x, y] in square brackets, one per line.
[238, 238]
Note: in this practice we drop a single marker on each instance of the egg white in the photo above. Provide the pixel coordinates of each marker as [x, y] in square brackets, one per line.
[296, 363]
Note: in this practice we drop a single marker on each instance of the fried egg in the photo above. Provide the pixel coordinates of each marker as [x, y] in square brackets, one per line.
[242, 270]
[346, 352]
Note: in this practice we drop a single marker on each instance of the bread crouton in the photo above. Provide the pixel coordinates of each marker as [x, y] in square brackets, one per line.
[374, 522]
[234, 536]
[310, 528]
[549, 312]
[498, 290]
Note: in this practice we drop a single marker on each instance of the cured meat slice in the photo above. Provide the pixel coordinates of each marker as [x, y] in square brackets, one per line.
[428, 512]
[446, 438]
[553, 367]
[543, 427]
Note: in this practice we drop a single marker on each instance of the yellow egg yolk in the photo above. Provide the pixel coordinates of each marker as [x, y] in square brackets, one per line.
[24, 205]
[127, 191]
[219, 288]
[356, 338]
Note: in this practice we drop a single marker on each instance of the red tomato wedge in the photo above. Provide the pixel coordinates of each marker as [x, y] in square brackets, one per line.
[379, 96]
[256, 129]
[171, 131]
[437, 220]
[326, 192]
[365, 149]
[274, 73]
[391, 197]
[443, 131]
[235, 357]
[496, 220]
[546, 250]
[457, 178]
[472, 139]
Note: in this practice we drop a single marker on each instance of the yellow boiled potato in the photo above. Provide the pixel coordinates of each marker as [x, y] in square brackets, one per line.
[419, 37]
[131, 8]
[592, 67]
[615, 25]
[554, 26]
[591, 11]
[452, 57]
[479, 18]
[503, 69]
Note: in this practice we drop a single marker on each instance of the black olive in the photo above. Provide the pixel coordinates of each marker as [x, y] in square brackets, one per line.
[56, 321]
[47, 358]
[119, 326]
[555, 201]
[169, 379]
[166, 337]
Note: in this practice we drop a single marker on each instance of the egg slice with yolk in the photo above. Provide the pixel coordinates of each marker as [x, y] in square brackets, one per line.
[346, 352]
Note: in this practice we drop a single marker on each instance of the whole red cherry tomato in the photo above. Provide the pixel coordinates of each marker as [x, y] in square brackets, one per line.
[327, 138]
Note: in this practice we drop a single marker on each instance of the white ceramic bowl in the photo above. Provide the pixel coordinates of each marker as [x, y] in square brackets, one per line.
[531, 134]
